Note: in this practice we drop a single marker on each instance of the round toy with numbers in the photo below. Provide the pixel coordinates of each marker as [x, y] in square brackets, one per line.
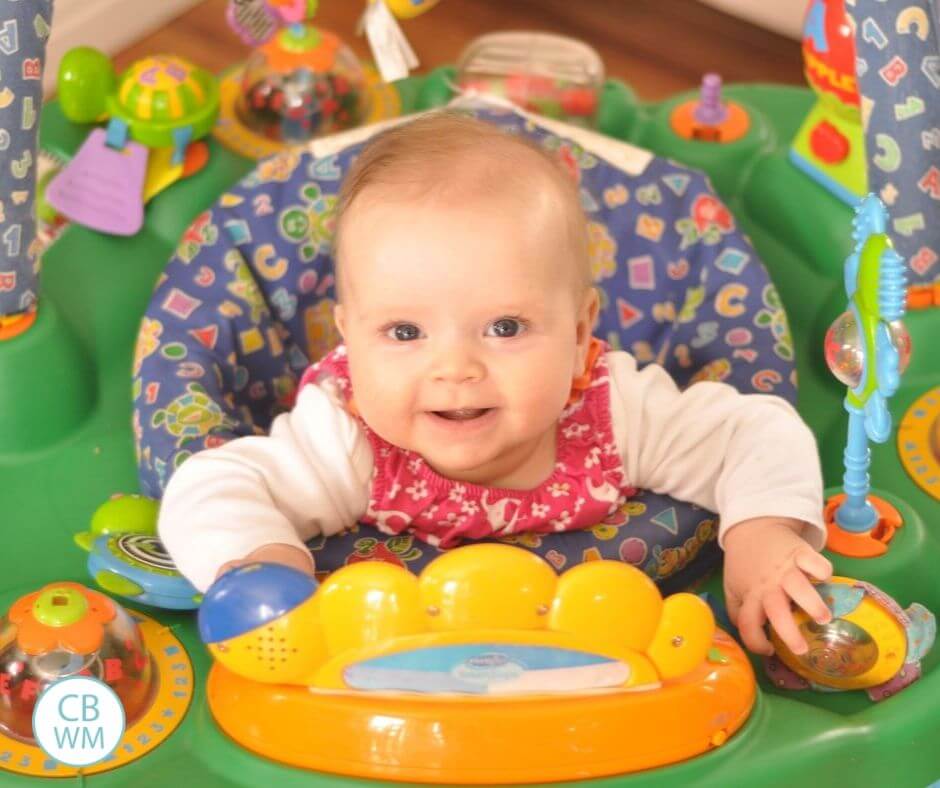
[65, 629]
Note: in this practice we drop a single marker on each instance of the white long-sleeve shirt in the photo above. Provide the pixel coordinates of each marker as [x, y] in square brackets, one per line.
[740, 455]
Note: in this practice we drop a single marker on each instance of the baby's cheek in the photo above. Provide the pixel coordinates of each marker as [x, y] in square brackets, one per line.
[543, 398]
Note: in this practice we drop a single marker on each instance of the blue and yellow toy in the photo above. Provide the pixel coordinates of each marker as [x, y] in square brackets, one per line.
[870, 643]
[487, 668]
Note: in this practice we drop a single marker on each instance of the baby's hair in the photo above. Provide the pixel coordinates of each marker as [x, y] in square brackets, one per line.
[447, 154]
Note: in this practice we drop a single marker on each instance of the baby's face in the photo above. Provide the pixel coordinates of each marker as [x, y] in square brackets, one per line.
[464, 330]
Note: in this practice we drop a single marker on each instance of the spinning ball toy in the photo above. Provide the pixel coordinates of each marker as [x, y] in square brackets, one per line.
[870, 643]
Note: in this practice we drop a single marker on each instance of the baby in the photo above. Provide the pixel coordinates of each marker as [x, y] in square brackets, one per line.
[469, 397]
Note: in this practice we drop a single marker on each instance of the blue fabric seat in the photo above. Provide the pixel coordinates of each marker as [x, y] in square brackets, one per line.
[246, 304]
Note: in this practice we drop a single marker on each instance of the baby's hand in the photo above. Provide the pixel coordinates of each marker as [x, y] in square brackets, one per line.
[767, 564]
[285, 554]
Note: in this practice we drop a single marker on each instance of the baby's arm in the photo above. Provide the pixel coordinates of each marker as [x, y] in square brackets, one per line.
[751, 459]
[264, 496]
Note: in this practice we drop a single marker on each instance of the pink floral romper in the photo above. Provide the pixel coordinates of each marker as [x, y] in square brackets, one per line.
[586, 486]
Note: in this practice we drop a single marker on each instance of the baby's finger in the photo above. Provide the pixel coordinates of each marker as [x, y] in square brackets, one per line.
[801, 591]
[777, 607]
[226, 567]
[751, 626]
[815, 564]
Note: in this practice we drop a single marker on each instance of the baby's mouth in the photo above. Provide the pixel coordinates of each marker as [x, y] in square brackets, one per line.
[462, 414]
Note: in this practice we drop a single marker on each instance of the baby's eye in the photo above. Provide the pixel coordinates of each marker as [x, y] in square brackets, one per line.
[506, 327]
[403, 332]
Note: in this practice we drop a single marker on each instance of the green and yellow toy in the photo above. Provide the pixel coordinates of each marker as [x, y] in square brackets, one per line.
[156, 111]
[160, 101]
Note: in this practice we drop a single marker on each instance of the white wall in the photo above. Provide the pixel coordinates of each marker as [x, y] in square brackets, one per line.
[109, 25]
[781, 16]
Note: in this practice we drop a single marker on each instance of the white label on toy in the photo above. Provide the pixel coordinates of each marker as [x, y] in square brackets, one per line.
[487, 669]
[393, 55]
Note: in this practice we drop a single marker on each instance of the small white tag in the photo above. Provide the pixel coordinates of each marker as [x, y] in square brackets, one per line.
[391, 50]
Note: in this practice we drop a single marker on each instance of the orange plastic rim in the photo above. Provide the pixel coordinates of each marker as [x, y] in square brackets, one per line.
[734, 127]
[862, 545]
[458, 739]
[16, 324]
[923, 296]
[196, 158]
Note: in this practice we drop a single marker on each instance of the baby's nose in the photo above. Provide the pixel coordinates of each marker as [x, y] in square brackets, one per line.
[458, 364]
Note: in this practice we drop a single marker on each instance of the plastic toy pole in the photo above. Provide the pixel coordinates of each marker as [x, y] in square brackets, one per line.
[898, 70]
[24, 30]
[856, 513]
[859, 524]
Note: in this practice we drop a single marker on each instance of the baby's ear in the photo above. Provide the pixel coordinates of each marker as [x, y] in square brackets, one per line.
[339, 317]
[587, 317]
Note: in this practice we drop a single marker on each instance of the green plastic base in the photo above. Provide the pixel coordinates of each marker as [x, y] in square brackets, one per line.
[99, 287]
[47, 361]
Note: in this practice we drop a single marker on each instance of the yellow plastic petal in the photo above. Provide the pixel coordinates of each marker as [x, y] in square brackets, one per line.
[369, 602]
[683, 637]
[487, 586]
[607, 603]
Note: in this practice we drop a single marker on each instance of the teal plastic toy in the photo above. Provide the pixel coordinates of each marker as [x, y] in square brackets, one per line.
[867, 348]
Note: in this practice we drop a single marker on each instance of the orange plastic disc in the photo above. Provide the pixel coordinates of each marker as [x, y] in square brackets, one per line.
[870, 544]
[197, 156]
[734, 126]
[15, 325]
[923, 296]
[318, 58]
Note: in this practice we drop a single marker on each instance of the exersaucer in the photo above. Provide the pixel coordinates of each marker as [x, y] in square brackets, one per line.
[69, 446]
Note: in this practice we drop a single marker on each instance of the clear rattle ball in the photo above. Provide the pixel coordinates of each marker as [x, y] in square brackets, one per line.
[845, 355]
[296, 89]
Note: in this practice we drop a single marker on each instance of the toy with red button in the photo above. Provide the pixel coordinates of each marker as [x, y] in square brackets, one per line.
[555, 76]
[829, 146]
[554, 98]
